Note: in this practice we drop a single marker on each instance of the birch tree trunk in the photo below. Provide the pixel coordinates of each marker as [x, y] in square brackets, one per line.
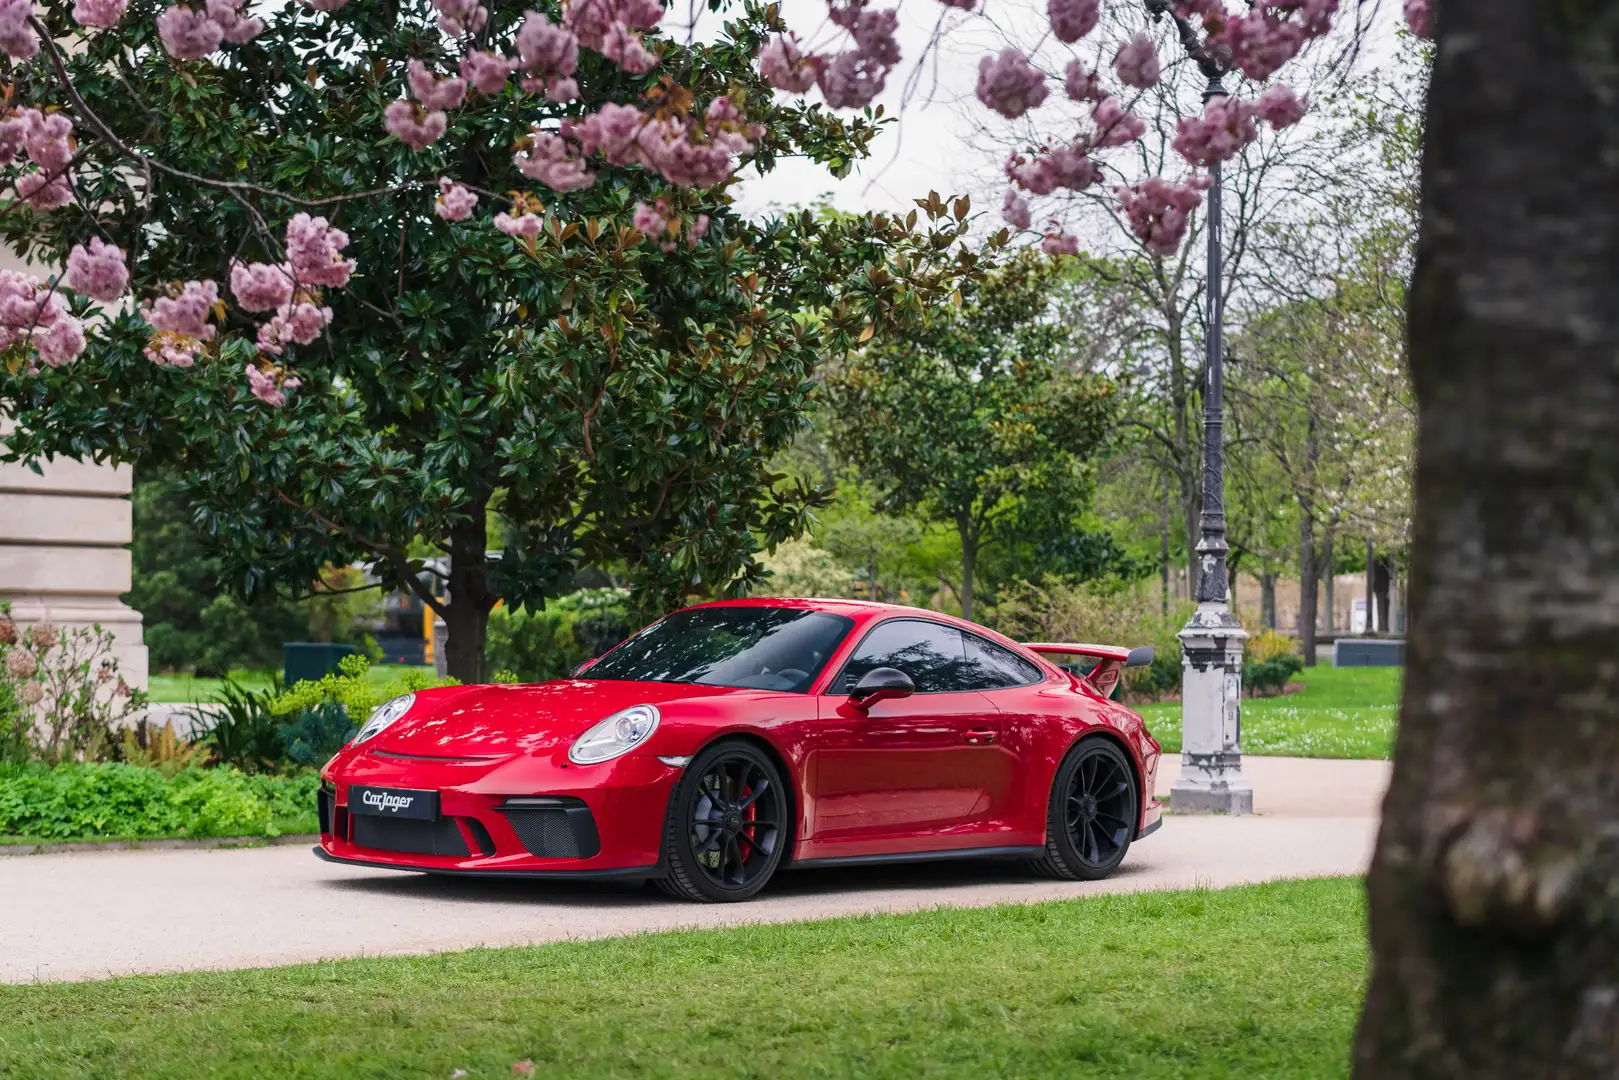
[1493, 904]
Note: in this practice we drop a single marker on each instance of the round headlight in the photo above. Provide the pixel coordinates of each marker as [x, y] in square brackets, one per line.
[382, 716]
[616, 735]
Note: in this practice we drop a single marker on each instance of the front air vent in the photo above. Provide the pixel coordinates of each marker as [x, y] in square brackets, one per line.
[553, 826]
[440, 837]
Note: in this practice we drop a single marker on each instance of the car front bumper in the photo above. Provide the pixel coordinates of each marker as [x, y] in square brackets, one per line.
[517, 816]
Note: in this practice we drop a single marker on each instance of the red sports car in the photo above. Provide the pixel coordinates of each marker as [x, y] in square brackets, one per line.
[729, 740]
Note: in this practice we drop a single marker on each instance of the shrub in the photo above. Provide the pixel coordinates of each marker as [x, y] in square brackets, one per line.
[66, 691]
[1270, 677]
[120, 801]
[318, 733]
[1268, 645]
[160, 748]
[1054, 610]
[540, 645]
[239, 728]
[352, 688]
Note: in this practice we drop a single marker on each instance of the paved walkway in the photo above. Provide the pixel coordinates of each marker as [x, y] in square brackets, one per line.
[110, 913]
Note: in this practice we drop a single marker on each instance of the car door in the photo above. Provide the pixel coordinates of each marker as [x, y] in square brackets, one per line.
[1025, 700]
[907, 766]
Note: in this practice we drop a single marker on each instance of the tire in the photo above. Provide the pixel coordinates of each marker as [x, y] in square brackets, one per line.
[728, 827]
[1092, 813]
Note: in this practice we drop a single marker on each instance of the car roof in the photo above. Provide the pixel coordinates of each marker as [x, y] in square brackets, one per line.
[853, 608]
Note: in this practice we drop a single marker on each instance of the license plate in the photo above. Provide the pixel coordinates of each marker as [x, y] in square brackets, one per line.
[394, 802]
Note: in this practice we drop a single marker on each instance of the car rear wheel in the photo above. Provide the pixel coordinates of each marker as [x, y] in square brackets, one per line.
[727, 828]
[1092, 814]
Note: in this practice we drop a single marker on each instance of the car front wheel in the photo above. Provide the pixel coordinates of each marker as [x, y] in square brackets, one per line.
[1092, 814]
[727, 827]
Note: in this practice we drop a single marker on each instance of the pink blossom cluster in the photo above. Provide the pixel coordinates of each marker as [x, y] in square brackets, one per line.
[270, 384]
[524, 225]
[1009, 85]
[549, 56]
[314, 251]
[683, 152]
[47, 139]
[1226, 125]
[1060, 243]
[1072, 19]
[102, 13]
[1015, 209]
[487, 72]
[327, 6]
[261, 286]
[33, 314]
[298, 322]
[97, 270]
[1115, 125]
[1160, 212]
[658, 222]
[1271, 32]
[460, 18]
[785, 66]
[430, 90]
[848, 79]
[1136, 62]
[191, 34]
[1419, 17]
[420, 125]
[1068, 167]
[613, 28]
[181, 322]
[454, 202]
[549, 159]
[1083, 84]
[17, 38]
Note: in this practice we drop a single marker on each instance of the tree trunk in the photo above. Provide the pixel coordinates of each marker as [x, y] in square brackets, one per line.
[1267, 599]
[1307, 587]
[1163, 557]
[1328, 576]
[1494, 919]
[969, 560]
[466, 617]
[1380, 592]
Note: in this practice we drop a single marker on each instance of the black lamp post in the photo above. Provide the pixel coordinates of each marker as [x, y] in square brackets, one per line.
[1211, 778]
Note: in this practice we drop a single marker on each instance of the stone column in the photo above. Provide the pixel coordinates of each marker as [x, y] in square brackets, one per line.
[1211, 779]
[63, 555]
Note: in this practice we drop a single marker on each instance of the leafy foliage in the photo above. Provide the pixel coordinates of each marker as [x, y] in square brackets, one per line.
[539, 645]
[317, 733]
[241, 729]
[349, 688]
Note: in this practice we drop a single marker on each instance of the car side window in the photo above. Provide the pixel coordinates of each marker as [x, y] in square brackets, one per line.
[992, 667]
[932, 654]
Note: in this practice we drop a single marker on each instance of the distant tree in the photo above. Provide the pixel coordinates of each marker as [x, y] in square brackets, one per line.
[975, 420]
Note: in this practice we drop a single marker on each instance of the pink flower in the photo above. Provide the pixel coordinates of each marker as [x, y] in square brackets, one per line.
[188, 34]
[459, 18]
[853, 78]
[783, 66]
[649, 221]
[697, 229]
[1136, 63]
[1060, 243]
[186, 313]
[327, 6]
[17, 38]
[167, 349]
[299, 323]
[265, 386]
[1160, 212]
[548, 52]
[1082, 84]
[62, 343]
[1219, 134]
[486, 71]
[103, 13]
[44, 194]
[97, 270]
[413, 127]
[1066, 167]
[1015, 210]
[1280, 107]
[454, 202]
[1272, 33]
[237, 29]
[1115, 126]
[625, 48]
[549, 161]
[48, 139]
[314, 250]
[13, 136]
[613, 131]
[1009, 85]
[260, 286]
[1072, 19]
[1419, 17]
[431, 91]
[524, 225]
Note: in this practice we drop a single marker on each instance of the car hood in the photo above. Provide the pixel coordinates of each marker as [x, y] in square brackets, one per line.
[497, 721]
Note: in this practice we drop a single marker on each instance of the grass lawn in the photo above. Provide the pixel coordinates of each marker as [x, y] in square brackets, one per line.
[1340, 713]
[1260, 981]
[188, 688]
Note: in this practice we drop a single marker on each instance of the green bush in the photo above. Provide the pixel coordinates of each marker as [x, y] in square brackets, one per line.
[542, 645]
[241, 729]
[1270, 677]
[318, 733]
[116, 801]
[351, 688]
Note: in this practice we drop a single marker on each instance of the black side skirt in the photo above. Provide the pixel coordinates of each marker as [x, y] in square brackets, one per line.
[1150, 829]
[553, 875]
[920, 856]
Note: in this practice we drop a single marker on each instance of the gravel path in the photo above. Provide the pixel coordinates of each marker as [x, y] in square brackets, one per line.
[98, 914]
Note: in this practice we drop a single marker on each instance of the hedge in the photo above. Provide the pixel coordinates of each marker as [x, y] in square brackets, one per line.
[131, 802]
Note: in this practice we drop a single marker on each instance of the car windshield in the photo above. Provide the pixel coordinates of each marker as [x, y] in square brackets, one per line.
[762, 648]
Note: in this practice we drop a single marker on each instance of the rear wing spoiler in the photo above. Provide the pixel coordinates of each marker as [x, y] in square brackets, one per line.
[1111, 660]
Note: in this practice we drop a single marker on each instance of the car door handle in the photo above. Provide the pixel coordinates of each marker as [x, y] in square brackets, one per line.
[980, 736]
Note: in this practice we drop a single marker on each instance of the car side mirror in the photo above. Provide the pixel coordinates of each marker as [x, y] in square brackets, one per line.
[1141, 656]
[880, 684]
[580, 669]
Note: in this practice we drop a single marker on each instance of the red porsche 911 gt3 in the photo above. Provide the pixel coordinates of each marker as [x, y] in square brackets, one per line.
[731, 739]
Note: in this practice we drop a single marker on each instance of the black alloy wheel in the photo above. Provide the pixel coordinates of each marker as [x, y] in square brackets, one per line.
[728, 826]
[1093, 813]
